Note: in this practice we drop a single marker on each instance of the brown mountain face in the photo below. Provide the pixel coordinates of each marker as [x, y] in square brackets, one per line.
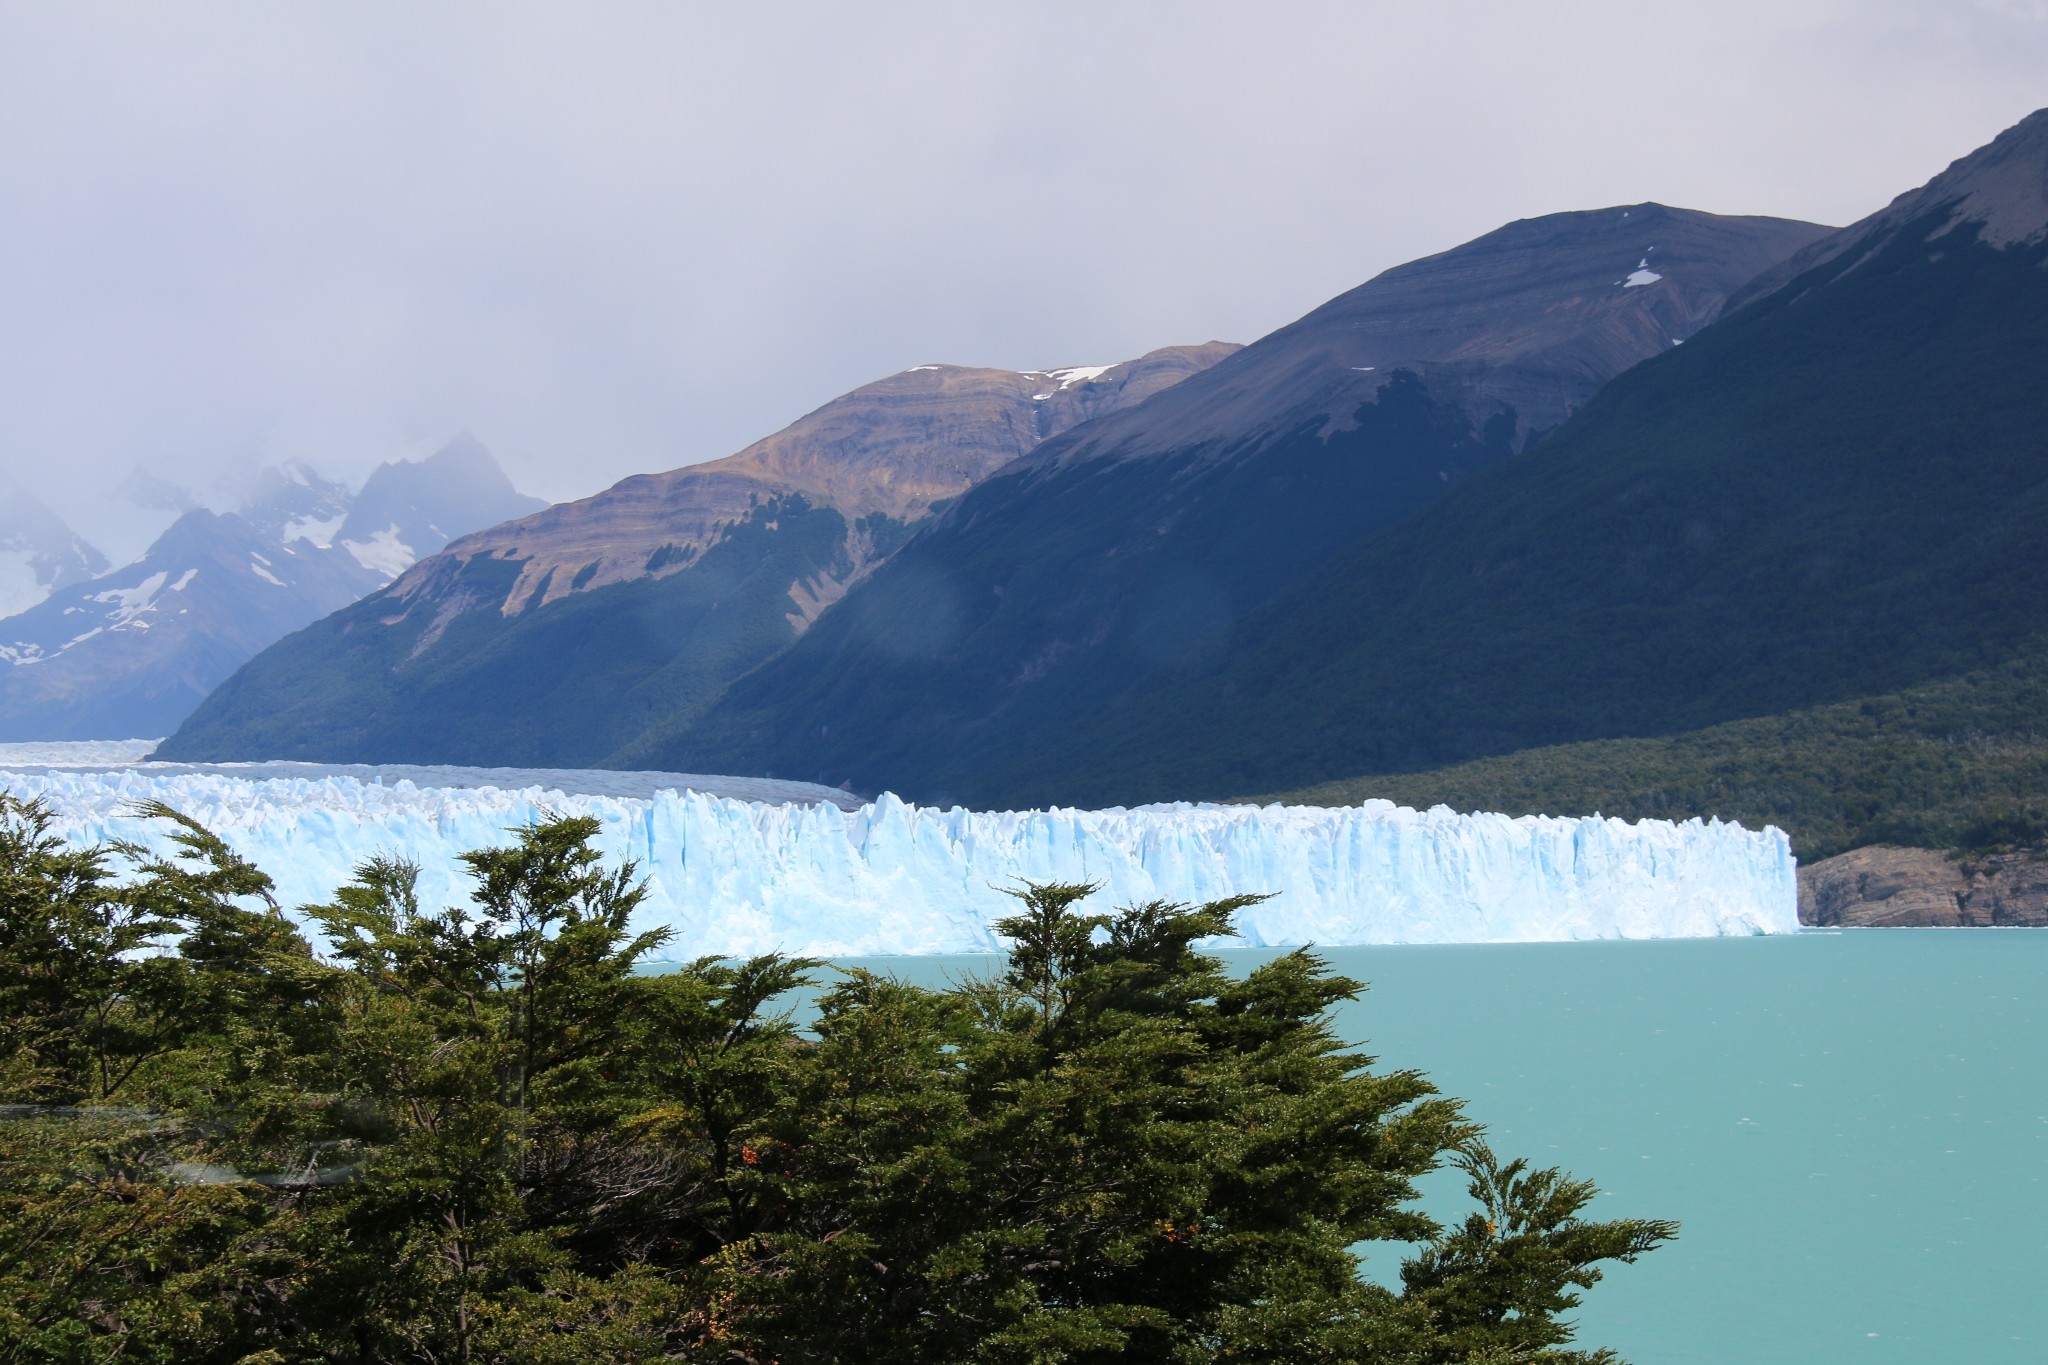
[895, 448]
[1532, 317]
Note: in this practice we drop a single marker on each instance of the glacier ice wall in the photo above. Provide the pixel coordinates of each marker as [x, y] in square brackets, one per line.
[735, 877]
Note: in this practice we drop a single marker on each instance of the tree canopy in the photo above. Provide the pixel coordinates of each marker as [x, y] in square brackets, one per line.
[496, 1133]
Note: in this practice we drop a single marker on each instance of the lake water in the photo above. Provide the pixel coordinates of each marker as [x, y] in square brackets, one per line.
[1852, 1127]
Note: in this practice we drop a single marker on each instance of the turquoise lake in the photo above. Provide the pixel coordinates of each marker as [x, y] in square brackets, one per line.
[1852, 1127]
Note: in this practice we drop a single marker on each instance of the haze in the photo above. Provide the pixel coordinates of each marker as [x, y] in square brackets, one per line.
[618, 238]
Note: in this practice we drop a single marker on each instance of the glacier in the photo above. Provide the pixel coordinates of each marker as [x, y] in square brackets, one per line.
[732, 877]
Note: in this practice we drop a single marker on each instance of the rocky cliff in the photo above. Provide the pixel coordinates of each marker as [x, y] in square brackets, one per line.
[1883, 887]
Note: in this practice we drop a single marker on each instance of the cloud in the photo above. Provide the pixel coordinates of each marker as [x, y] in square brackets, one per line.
[616, 238]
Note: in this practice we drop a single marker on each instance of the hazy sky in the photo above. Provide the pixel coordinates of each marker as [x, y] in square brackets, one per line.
[612, 237]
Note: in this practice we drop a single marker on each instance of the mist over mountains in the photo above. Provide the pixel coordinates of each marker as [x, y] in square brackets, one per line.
[38, 552]
[129, 652]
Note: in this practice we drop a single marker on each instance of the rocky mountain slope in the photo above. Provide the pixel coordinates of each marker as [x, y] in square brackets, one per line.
[1914, 888]
[556, 638]
[130, 652]
[1834, 492]
[1107, 560]
[38, 552]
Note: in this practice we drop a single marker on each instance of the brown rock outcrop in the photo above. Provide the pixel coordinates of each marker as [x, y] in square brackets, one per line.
[1884, 887]
[893, 447]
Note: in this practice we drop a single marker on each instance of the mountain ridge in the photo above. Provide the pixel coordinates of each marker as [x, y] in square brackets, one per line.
[850, 453]
[1052, 588]
[557, 637]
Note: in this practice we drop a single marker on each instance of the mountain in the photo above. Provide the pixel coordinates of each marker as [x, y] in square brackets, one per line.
[1832, 496]
[556, 638]
[129, 653]
[1052, 590]
[409, 509]
[38, 552]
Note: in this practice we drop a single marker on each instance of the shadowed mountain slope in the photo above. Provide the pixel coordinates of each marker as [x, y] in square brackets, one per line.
[1050, 592]
[1835, 492]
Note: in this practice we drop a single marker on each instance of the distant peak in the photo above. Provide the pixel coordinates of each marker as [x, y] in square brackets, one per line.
[144, 489]
[462, 447]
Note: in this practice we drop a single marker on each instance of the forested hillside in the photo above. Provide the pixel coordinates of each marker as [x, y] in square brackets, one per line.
[1960, 763]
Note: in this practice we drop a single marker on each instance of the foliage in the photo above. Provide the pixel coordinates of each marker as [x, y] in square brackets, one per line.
[489, 1133]
[1959, 764]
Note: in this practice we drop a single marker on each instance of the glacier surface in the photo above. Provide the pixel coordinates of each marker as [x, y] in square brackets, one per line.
[737, 877]
[88, 755]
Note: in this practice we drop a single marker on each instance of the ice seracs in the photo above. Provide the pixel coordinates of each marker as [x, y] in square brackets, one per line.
[736, 877]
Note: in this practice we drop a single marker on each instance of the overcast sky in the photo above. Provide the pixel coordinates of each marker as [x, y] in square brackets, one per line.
[610, 238]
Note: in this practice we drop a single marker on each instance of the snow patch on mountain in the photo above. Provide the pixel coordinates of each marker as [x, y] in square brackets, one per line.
[130, 603]
[1067, 378]
[21, 586]
[38, 552]
[383, 553]
[318, 530]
